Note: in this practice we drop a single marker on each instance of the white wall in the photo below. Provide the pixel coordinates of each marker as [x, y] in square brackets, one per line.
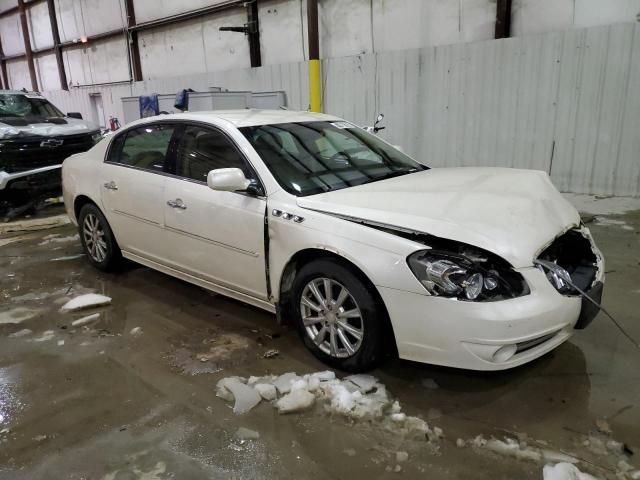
[11, 35]
[539, 16]
[347, 27]
[562, 102]
[194, 46]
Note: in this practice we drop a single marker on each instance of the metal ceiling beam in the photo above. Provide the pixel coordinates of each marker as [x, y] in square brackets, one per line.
[132, 41]
[27, 45]
[13, 10]
[503, 19]
[253, 25]
[62, 74]
[3, 68]
[181, 17]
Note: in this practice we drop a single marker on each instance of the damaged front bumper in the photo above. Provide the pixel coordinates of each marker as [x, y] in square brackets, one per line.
[482, 335]
[19, 187]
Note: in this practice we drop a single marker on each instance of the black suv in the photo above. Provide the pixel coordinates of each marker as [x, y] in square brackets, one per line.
[35, 138]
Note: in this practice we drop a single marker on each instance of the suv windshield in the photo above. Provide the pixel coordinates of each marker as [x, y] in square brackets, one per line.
[315, 157]
[26, 106]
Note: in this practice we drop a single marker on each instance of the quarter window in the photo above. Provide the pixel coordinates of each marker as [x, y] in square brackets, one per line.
[146, 147]
[201, 150]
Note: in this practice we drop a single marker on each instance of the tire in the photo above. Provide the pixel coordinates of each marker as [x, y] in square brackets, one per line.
[364, 333]
[106, 255]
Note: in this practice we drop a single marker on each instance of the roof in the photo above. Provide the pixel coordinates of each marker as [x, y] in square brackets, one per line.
[251, 117]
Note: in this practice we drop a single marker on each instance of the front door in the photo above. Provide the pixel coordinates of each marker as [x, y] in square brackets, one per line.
[217, 236]
[132, 182]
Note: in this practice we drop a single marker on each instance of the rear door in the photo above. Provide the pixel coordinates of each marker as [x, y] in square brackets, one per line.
[133, 182]
[217, 236]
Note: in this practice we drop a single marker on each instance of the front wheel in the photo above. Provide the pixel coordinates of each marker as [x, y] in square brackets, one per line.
[338, 317]
[97, 239]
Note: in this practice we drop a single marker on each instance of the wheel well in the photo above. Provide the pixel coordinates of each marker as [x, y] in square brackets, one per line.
[285, 307]
[79, 202]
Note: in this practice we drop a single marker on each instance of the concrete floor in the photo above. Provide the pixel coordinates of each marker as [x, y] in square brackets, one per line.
[106, 404]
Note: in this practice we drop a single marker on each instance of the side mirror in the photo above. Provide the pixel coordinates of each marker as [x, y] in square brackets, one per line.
[227, 180]
[77, 115]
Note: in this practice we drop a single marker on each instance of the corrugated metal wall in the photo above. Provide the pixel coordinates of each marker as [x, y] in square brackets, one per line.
[566, 103]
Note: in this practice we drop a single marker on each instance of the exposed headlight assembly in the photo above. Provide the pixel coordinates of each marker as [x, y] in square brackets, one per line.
[475, 278]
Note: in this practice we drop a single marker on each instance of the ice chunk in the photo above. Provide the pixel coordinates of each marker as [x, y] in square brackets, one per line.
[564, 471]
[295, 401]
[60, 343]
[266, 391]
[245, 397]
[246, 434]
[402, 456]
[85, 320]
[88, 300]
[283, 382]
[45, 337]
[300, 384]
[429, 383]
[324, 376]
[460, 443]
[552, 456]
[365, 383]
[511, 447]
[21, 333]
[136, 331]
[398, 417]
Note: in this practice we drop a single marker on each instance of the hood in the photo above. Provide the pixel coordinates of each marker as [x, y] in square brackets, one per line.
[69, 126]
[512, 213]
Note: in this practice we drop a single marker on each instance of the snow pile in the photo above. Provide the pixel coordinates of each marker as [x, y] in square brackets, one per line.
[55, 238]
[85, 320]
[512, 447]
[88, 300]
[564, 471]
[354, 397]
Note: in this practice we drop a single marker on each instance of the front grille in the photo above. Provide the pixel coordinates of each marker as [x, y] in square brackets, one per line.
[21, 154]
[574, 252]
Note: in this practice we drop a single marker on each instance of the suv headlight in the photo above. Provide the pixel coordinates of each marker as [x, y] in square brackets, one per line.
[481, 278]
[96, 137]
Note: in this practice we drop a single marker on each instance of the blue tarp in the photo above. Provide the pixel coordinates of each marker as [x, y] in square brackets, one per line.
[149, 105]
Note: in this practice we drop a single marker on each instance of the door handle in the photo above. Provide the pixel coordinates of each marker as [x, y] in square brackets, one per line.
[111, 185]
[177, 203]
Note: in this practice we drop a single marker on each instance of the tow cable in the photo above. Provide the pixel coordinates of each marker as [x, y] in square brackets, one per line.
[566, 277]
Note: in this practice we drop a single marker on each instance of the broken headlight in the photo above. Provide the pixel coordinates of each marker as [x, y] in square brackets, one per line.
[476, 276]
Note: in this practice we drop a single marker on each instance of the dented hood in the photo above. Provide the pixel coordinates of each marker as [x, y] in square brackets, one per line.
[512, 213]
[66, 126]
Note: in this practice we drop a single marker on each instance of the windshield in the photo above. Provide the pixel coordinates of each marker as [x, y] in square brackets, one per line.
[27, 106]
[315, 157]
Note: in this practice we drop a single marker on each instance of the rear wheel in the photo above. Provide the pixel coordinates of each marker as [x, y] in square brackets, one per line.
[338, 317]
[97, 239]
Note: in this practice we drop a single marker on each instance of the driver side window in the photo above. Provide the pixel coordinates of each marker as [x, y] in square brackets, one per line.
[201, 150]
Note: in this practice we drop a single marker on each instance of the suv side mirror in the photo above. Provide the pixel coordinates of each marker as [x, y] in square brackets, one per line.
[77, 115]
[227, 180]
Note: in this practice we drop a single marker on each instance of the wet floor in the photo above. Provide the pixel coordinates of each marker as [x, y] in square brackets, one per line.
[99, 401]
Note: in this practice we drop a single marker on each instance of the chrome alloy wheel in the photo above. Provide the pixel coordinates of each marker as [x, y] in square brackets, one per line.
[331, 317]
[93, 234]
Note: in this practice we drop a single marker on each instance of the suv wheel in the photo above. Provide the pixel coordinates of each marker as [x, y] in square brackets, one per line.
[97, 239]
[338, 318]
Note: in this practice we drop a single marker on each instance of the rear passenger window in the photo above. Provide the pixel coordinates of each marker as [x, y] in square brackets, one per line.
[201, 150]
[145, 147]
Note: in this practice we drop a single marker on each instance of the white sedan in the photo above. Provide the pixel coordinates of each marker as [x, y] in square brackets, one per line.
[365, 250]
